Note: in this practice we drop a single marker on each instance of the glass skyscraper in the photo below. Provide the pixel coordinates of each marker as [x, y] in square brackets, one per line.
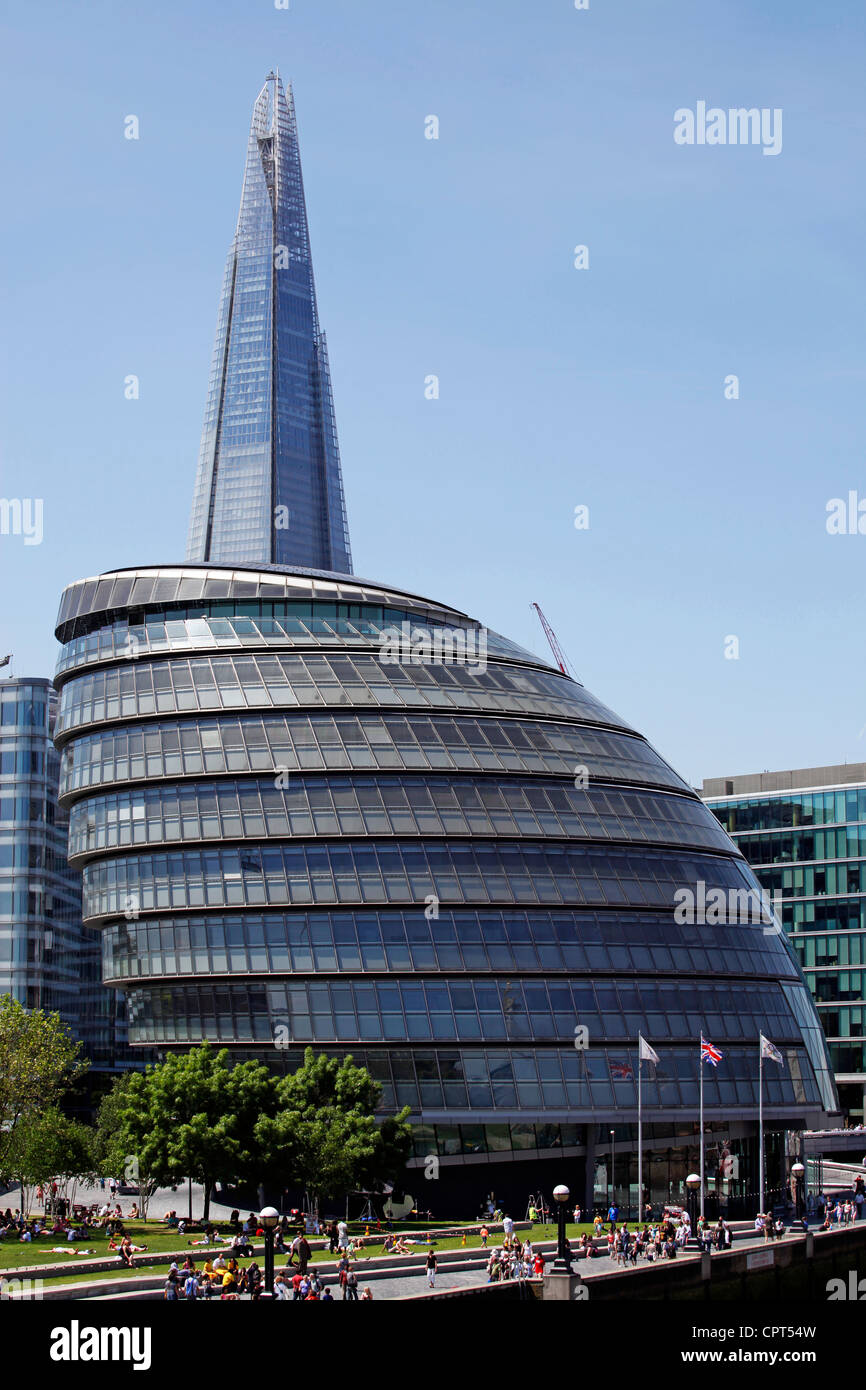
[803, 832]
[269, 487]
[311, 808]
[48, 959]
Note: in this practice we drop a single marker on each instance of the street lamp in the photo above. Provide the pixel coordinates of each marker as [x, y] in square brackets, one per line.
[613, 1168]
[798, 1172]
[693, 1182]
[562, 1263]
[269, 1217]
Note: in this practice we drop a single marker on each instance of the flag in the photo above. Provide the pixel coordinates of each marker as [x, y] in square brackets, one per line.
[646, 1052]
[710, 1054]
[622, 1071]
[6, 660]
[769, 1049]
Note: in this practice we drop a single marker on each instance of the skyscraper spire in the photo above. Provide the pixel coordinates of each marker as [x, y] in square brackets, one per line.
[269, 486]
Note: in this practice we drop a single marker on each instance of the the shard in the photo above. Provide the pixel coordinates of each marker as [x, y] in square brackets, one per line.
[269, 486]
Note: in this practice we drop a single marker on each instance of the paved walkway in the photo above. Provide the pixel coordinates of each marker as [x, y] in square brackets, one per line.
[412, 1285]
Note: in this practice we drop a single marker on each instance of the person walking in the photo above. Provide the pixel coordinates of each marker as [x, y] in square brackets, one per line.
[351, 1290]
[431, 1269]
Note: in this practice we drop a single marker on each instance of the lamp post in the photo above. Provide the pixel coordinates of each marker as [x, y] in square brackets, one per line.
[798, 1172]
[269, 1217]
[562, 1263]
[613, 1168]
[693, 1182]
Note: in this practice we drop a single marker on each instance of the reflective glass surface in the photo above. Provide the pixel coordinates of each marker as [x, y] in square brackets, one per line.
[420, 861]
[386, 804]
[398, 872]
[810, 848]
[131, 641]
[231, 682]
[366, 941]
[269, 485]
[48, 959]
[340, 743]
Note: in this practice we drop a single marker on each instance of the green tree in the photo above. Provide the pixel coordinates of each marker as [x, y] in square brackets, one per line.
[114, 1145]
[39, 1061]
[194, 1116]
[325, 1135]
[50, 1147]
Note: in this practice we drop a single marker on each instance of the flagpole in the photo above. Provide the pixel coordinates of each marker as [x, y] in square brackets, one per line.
[701, 1140]
[760, 1126]
[639, 1132]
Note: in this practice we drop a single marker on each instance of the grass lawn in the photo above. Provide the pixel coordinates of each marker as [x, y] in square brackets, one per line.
[14, 1253]
[161, 1240]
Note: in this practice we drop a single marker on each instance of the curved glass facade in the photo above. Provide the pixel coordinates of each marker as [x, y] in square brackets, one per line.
[444, 863]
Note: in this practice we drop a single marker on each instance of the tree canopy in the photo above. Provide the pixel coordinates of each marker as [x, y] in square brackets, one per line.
[39, 1061]
[323, 1133]
[51, 1147]
[194, 1115]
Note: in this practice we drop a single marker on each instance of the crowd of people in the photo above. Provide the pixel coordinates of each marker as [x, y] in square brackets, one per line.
[15, 1226]
[514, 1260]
[224, 1278]
[843, 1213]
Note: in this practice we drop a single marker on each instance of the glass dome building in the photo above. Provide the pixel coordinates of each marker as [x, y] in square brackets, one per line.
[311, 809]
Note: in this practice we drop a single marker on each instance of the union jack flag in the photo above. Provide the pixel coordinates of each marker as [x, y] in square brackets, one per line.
[710, 1054]
[622, 1071]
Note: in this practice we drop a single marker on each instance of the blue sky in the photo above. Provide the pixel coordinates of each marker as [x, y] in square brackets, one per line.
[558, 387]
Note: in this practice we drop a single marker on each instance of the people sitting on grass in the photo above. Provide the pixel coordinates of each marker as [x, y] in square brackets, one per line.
[124, 1253]
[241, 1246]
[124, 1247]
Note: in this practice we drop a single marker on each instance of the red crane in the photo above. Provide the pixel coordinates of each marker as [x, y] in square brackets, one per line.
[559, 654]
